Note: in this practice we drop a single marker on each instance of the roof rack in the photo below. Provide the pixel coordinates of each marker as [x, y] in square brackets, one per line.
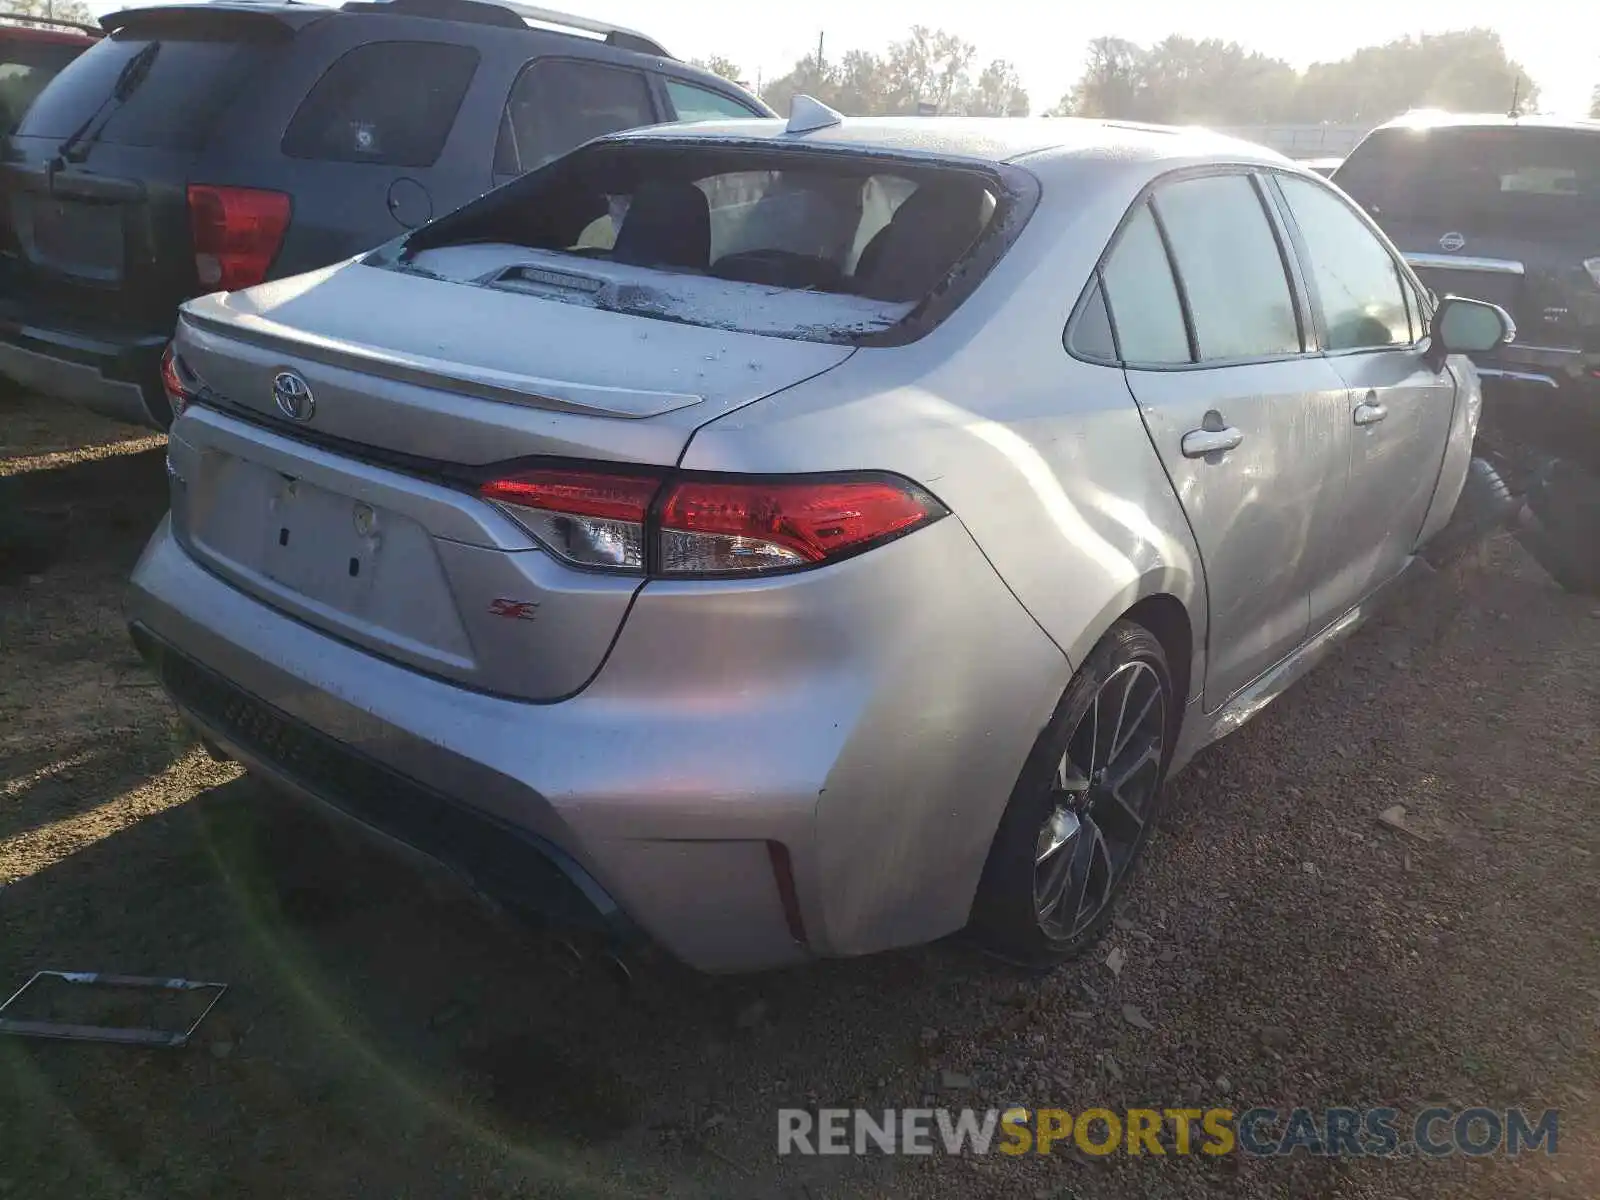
[95, 30]
[512, 15]
[614, 35]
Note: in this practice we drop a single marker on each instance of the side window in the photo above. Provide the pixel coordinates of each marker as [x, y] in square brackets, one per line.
[557, 104]
[693, 103]
[1232, 271]
[1142, 297]
[1355, 279]
[390, 103]
[1091, 336]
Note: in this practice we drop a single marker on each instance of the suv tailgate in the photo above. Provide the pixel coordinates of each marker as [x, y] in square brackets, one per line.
[95, 214]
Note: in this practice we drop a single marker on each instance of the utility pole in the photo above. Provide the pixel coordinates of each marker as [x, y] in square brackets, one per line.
[819, 52]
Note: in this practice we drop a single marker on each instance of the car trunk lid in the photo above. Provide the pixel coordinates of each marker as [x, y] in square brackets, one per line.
[361, 517]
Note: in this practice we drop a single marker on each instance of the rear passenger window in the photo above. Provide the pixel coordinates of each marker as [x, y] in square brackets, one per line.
[1357, 282]
[1143, 300]
[701, 104]
[558, 104]
[390, 103]
[1232, 271]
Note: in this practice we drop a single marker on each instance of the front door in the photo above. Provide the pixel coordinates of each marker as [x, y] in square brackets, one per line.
[1398, 408]
[1249, 426]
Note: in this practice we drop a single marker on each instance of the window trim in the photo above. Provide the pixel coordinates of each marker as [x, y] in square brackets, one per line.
[654, 94]
[1410, 285]
[1310, 347]
[444, 144]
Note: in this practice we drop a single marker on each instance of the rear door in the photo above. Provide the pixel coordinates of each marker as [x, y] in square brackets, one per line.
[1399, 407]
[96, 212]
[1249, 426]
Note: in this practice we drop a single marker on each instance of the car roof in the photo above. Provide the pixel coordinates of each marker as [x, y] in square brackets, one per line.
[984, 139]
[1425, 119]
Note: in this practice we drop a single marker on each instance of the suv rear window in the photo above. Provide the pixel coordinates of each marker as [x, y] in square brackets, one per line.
[391, 103]
[793, 243]
[1521, 174]
[192, 74]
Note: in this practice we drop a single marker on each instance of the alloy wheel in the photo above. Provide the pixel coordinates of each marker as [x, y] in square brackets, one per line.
[1103, 792]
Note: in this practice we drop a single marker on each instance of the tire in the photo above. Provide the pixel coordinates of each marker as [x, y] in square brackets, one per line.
[1561, 526]
[1486, 504]
[1063, 799]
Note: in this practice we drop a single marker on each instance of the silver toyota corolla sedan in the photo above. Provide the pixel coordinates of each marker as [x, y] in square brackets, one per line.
[797, 540]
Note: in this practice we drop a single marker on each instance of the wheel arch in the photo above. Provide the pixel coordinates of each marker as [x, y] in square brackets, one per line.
[1171, 603]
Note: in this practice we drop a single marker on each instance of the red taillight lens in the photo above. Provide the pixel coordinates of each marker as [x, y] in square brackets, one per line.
[237, 232]
[179, 392]
[718, 527]
[586, 517]
[708, 526]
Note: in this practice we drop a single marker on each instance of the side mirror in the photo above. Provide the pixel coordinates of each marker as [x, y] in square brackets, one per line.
[1463, 326]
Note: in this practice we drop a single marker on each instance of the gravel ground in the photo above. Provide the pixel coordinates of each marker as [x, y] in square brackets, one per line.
[384, 1036]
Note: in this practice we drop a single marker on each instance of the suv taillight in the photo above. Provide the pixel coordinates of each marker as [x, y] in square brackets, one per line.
[684, 526]
[237, 232]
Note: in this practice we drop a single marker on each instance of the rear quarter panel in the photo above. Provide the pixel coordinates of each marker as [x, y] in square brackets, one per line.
[1041, 456]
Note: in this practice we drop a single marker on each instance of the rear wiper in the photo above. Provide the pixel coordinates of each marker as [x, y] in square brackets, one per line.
[134, 72]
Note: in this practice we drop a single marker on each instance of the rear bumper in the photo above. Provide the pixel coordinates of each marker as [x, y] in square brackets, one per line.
[114, 374]
[518, 868]
[757, 776]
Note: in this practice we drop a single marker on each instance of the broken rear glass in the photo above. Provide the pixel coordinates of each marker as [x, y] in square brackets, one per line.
[824, 246]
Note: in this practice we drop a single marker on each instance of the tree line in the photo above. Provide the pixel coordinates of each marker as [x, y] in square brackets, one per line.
[1179, 80]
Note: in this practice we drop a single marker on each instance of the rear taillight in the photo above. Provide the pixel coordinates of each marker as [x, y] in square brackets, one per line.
[176, 382]
[237, 232]
[588, 518]
[682, 526]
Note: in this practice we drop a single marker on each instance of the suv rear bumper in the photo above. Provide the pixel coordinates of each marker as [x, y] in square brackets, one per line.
[757, 776]
[115, 374]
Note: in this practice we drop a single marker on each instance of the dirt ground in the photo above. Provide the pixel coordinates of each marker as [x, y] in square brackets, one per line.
[383, 1037]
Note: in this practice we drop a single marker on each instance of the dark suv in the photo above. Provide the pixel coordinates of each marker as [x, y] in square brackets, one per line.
[1508, 210]
[207, 147]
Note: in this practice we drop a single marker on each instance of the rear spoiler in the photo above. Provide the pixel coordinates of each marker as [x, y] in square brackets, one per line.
[91, 30]
[286, 14]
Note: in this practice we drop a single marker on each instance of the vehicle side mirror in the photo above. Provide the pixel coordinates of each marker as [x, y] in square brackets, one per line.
[1463, 326]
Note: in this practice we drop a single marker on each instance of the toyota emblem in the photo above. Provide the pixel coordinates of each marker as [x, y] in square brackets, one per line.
[1451, 242]
[293, 396]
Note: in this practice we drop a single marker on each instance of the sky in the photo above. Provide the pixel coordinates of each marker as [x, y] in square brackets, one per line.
[1557, 41]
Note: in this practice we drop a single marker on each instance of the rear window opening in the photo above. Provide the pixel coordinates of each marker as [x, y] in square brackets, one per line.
[1518, 174]
[181, 75]
[823, 246]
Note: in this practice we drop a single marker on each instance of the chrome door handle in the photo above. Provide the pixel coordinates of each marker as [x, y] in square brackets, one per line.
[1198, 443]
[1370, 412]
